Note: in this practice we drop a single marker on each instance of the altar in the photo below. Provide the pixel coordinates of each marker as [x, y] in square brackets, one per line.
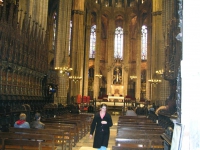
[113, 98]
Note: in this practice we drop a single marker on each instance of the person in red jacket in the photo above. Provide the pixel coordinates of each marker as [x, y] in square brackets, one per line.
[21, 123]
[101, 124]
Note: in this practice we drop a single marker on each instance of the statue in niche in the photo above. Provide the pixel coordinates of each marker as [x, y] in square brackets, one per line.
[117, 76]
[116, 92]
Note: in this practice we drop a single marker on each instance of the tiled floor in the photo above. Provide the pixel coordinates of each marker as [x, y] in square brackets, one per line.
[86, 143]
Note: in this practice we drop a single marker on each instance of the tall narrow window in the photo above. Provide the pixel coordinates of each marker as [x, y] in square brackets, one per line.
[118, 51]
[70, 36]
[92, 41]
[144, 43]
[54, 31]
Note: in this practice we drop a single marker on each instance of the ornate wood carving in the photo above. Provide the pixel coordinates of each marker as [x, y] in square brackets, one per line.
[23, 54]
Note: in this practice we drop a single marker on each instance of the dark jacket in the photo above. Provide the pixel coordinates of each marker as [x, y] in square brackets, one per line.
[37, 125]
[102, 131]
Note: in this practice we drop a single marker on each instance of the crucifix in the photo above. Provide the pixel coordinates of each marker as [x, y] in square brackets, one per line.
[117, 77]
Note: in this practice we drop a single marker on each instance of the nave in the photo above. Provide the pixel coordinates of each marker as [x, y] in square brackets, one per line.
[71, 132]
[123, 136]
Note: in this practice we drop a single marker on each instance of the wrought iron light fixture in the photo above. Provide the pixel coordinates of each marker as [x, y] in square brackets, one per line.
[75, 78]
[63, 70]
[98, 75]
[160, 72]
[155, 79]
[133, 77]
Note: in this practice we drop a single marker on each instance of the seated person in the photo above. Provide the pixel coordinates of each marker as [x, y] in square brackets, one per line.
[37, 124]
[21, 123]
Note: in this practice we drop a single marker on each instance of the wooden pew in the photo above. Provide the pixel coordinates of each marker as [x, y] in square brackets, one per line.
[81, 125]
[138, 143]
[135, 132]
[133, 128]
[73, 138]
[81, 119]
[140, 132]
[74, 129]
[137, 124]
[27, 141]
[61, 137]
[138, 136]
[133, 148]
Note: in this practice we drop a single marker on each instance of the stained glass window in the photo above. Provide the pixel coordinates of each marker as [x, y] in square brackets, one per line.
[118, 51]
[54, 31]
[144, 43]
[70, 36]
[92, 41]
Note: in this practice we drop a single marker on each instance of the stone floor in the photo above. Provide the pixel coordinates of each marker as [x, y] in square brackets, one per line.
[86, 143]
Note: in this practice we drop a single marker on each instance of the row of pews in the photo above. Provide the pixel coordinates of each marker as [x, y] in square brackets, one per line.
[61, 132]
[138, 133]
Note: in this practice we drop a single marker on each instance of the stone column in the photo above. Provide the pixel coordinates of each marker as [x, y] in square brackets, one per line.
[62, 48]
[110, 52]
[77, 46]
[148, 71]
[87, 29]
[126, 54]
[138, 67]
[97, 57]
[156, 62]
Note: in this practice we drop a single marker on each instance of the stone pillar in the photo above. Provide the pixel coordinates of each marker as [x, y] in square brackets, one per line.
[110, 52]
[77, 52]
[138, 67]
[62, 48]
[87, 29]
[126, 55]
[157, 57]
[148, 71]
[97, 57]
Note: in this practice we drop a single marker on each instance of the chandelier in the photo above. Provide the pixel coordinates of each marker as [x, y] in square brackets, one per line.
[155, 79]
[133, 77]
[98, 75]
[74, 77]
[63, 70]
[160, 72]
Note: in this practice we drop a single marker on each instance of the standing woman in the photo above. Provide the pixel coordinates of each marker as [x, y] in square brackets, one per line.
[101, 124]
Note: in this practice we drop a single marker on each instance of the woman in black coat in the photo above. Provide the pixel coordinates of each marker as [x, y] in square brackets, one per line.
[101, 124]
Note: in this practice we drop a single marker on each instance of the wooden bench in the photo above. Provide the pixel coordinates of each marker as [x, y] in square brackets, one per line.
[133, 148]
[80, 122]
[61, 137]
[87, 118]
[135, 132]
[133, 128]
[138, 136]
[138, 143]
[140, 132]
[73, 128]
[137, 124]
[27, 141]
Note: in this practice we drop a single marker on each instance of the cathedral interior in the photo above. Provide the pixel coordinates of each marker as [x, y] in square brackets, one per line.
[54, 53]
[67, 51]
